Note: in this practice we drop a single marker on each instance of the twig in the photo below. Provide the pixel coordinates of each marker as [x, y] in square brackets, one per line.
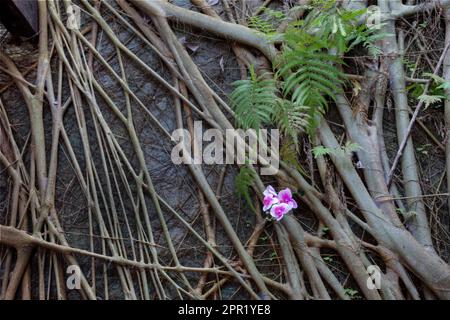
[413, 119]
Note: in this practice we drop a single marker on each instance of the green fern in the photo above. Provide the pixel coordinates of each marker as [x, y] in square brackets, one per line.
[439, 87]
[350, 147]
[267, 23]
[429, 100]
[291, 119]
[443, 84]
[254, 100]
[244, 181]
[340, 28]
[289, 153]
[344, 150]
[311, 75]
[309, 78]
[321, 151]
[262, 25]
[366, 37]
[352, 294]
[309, 72]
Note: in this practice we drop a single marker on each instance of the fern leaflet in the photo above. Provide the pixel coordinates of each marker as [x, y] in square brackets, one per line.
[254, 100]
[291, 119]
[244, 180]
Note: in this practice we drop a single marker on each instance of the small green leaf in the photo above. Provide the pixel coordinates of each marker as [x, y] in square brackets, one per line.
[321, 151]
[428, 100]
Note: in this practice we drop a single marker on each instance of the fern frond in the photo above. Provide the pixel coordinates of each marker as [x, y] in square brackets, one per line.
[292, 119]
[244, 181]
[428, 100]
[267, 23]
[288, 153]
[345, 150]
[264, 26]
[254, 100]
[351, 147]
[442, 83]
[435, 77]
[309, 79]
[321, 151]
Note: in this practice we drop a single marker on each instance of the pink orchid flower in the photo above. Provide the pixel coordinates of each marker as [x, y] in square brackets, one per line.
[270, 191]
[270, 198]
[278, 204]
[279, 210]
[285, 196]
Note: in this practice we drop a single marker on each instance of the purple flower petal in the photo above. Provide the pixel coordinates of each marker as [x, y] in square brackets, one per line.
[270, 191]
[269, 201]
[278, 204]
[285, 196]
[293, 204]
[279, 210]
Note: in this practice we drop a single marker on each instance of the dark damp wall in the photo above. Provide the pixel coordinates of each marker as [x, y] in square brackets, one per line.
[20, 17]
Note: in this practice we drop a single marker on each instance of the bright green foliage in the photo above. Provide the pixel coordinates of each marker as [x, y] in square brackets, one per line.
[291, 118]
[262, 25]
[436, 91]
[244, 181]
[443, 84]
[367, 38]
[312, 76]
[339, 28]
[308, 76]
[276, 15]
[350, 147]
[344, 150]
[268, 22]
[428, 100]
[254, 100]
[333, 26]
[308, 72]
[309, 79]
[321, 151]
[415, 90]
[352, 294]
